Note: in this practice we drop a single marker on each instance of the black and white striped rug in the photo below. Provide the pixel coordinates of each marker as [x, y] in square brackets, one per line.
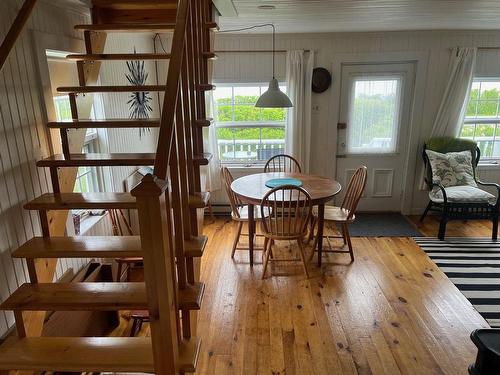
[473, 265]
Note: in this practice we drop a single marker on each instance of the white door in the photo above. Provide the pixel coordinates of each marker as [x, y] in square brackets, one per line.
[373, 130]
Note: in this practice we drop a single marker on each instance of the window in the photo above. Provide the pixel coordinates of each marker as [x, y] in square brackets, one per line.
[482, 121]
[374, 114]
[87, 177]
[246, 134]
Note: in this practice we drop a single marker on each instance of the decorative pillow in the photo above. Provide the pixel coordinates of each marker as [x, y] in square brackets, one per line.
[452, 168]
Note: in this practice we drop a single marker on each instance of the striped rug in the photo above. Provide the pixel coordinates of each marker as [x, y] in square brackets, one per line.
[473, 265]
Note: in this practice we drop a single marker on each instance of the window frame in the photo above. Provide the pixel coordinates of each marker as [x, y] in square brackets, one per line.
[260, 124]
[470, 120]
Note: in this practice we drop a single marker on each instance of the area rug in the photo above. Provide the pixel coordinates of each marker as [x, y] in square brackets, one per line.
[473, 265]
[382, 225]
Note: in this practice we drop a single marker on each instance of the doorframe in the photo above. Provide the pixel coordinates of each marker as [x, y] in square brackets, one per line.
[420, 59]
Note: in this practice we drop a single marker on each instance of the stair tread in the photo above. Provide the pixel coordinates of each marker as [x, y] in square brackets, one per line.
[90, 354]
[73, 201]
[203, 159]
[119, 56]
[93, 297]
[191, 297]
[124, 27]
[80, 247]
[199, 200]
[205, 121]
[124, 88]
[78, 296]
[194, 247]
[95, 159]
[112, 123]
[135, 4]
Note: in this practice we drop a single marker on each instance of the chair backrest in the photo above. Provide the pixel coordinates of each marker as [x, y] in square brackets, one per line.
[354, 191]
[448, 144]
[234, 201]
[282, 163]
[285, 212]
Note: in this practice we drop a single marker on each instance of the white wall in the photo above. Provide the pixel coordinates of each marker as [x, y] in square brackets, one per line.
[255, 67]
[23, 140]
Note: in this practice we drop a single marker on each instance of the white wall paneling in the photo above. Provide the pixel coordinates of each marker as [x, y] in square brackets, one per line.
[23, 138]
[430, 49]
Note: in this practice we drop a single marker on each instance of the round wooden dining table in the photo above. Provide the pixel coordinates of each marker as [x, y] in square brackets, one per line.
[252, 188]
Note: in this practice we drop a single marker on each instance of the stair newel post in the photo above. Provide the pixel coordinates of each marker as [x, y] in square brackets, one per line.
[153, 205]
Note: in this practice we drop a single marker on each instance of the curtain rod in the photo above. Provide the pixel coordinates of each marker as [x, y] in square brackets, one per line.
[256, 50]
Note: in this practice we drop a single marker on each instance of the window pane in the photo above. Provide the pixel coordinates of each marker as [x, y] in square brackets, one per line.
[487, 108]
[246, 95]
[224, 112]
[246, 134]
[273, 114]
[246, 113]
[373, 115]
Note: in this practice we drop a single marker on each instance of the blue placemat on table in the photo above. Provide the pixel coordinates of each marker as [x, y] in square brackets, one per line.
[275, 182]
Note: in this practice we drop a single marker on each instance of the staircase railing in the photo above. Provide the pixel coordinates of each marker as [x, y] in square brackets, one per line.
[15, 30]
[167, 218]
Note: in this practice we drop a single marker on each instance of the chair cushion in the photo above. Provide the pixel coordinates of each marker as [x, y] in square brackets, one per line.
[333, 213]
[452, 168]
[462, 194]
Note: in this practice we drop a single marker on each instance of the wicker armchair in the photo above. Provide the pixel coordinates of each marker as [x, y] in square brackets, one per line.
[459, 202]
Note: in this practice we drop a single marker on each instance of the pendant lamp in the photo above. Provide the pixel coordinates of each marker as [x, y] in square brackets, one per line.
[274, 97]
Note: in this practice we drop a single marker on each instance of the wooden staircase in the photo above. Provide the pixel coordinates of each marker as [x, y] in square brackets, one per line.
[168, 204]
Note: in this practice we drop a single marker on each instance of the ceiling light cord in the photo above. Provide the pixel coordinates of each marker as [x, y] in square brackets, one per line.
[256, 27]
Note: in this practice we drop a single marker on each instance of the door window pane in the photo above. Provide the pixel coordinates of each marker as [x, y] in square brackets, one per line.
[373, 115]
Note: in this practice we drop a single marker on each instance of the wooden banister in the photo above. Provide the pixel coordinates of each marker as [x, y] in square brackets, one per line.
[167, 128]
[15, 30]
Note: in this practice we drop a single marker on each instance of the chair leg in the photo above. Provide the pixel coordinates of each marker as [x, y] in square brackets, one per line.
[347, 238]
[236, 238]
[429, 206]
[267, 251]
[119, 272]
[311, 229]
[442, 228]
[313, 250]
[344, 238]
[266, 241]
[494, 232]
[135, 327]
[303, 257]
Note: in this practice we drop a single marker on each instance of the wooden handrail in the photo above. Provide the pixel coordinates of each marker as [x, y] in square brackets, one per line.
[15, 30]
[167, 128]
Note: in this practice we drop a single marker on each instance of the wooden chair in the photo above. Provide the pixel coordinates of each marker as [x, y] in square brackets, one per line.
[282, 163]
[285, 212]
[344, 214]
[239, 211]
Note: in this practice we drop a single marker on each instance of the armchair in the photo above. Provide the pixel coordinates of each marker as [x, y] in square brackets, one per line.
[458, 197]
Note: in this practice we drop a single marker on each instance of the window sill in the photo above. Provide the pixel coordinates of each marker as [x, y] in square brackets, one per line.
[88, 223]
[493, 164]
[242, 167]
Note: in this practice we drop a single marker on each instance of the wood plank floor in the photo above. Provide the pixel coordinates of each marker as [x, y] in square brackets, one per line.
[390, 312]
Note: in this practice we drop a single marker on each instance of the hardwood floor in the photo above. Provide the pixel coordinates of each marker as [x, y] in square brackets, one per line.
[390, 312]
[456, 228]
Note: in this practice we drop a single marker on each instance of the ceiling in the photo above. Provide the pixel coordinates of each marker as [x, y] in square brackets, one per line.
[300, 16]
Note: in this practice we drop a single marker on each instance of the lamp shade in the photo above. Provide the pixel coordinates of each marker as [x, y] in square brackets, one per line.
[274, 97]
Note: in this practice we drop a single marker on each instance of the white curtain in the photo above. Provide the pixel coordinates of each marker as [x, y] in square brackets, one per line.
[210, 174]
[451, 112]
[299, 70]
